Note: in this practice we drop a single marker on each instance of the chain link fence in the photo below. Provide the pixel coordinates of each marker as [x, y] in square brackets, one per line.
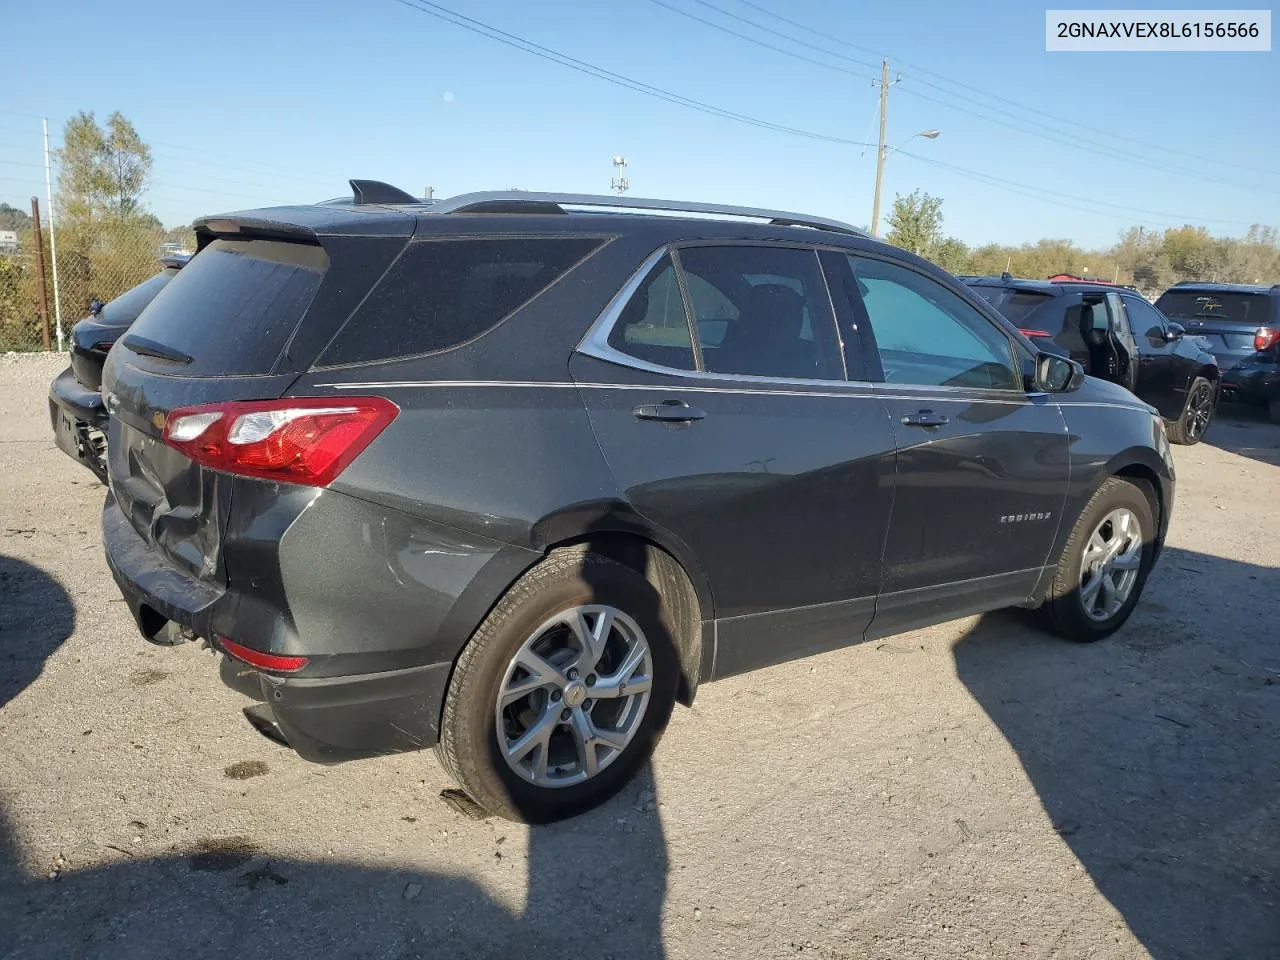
[97, 260]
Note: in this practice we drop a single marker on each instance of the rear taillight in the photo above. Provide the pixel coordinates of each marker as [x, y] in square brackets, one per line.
[264, 661]
[1264, 338]
[102, 346]
[306, 440]
[1034, 333]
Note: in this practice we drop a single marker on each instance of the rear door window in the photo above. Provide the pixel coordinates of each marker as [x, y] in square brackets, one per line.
[442, 293]
[234, 306]
[762, 312]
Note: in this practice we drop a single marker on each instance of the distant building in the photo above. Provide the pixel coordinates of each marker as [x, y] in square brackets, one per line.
[8, 241]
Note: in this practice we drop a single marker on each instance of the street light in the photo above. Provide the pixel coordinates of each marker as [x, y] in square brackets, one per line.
[883, 152]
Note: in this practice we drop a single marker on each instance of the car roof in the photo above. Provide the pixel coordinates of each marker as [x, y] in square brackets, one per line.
[381, 210]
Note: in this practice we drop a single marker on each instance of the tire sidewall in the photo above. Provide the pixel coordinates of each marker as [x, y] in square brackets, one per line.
[1118, 494]
[612, 584]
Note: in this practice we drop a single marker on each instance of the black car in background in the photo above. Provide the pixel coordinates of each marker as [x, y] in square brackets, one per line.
[512, 473]
[75, 397]
[1241, 323]
[1115, 335]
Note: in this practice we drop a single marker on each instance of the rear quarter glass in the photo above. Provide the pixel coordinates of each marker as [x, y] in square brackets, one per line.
[442, 293]
[234, 306]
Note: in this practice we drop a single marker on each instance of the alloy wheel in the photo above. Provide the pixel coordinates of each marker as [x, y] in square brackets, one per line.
[1111, 563]
[574, 695]
[1199, 411]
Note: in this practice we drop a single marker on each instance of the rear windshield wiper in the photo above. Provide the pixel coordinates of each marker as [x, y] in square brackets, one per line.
[149, 348]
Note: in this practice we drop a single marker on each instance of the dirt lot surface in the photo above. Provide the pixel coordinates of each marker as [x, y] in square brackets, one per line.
[972, 790]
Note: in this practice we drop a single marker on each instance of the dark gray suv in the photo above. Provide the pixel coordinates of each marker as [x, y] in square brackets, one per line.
[513, 473]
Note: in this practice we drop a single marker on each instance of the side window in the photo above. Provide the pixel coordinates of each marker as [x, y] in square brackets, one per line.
[762, 312]
[442, 293]
[928, 335]
[1143, 319]
[653, 325]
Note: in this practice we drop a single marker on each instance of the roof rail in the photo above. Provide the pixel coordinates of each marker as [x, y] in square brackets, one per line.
[532, 203]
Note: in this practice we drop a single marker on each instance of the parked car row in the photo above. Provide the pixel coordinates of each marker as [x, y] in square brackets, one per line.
[1115, 334]
[510, 474]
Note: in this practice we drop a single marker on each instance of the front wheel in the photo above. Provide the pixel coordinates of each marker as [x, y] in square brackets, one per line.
[1197, 413]
[1104, 564]
[563, 691]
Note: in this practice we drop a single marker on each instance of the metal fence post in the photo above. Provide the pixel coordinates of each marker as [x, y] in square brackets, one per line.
[44, 287]
[53, 236]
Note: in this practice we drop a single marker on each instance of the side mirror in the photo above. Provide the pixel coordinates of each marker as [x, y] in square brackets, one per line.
[1175, 331]
[1055, 374]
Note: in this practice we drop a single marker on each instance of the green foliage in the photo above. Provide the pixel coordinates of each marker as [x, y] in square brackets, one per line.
[915, 222]
[11, 218]
[1150, 260]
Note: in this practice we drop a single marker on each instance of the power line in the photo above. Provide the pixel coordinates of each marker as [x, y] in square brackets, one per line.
[759, 43]
[1018, 124]
[992, 96]
[546, 53]
[1040, 192]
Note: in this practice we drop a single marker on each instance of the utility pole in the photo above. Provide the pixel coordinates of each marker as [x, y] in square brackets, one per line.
[880, 153]
[44, 290]
[53, 237]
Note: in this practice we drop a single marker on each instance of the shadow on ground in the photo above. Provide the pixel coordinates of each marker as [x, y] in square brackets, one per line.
[1246, 431]
[231, 897]
[1165, 789]
[36, 616]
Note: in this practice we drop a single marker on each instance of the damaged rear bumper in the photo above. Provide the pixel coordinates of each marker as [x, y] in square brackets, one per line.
[324, 718]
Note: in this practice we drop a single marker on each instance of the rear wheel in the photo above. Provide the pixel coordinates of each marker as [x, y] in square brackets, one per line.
[1197, 413]
[1104, 564]
[563, 691]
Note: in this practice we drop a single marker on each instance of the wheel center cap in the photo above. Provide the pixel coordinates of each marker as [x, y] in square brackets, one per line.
[574, 694]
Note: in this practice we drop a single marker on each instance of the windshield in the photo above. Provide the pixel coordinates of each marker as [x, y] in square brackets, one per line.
[1015, 305]
[124, 309]
[1252, 309]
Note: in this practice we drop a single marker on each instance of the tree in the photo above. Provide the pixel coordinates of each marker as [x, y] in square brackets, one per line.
[951, 255]
[102, 172]
[915, 222]
[13, 218]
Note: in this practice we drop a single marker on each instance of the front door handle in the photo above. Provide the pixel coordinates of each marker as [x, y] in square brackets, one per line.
[926, 418]
[669, 411]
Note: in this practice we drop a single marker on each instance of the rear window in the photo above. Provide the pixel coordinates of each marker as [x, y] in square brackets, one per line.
[1253, 309]
[1014, 305]
[234, 306]
[126, 307]
[442, 293]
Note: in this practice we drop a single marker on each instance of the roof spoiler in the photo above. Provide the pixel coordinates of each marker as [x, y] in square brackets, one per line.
[375, 191]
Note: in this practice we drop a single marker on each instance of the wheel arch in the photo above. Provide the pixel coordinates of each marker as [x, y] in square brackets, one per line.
[680, 584]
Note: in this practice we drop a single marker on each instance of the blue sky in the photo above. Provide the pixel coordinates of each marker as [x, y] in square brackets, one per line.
[246, 104]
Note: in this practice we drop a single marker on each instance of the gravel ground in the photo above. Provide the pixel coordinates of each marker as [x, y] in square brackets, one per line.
[971, 790]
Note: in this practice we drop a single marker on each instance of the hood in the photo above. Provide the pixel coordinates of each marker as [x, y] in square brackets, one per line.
[1094, 390]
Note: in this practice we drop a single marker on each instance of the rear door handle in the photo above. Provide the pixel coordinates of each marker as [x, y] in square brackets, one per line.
[926, 418]
[669, 411]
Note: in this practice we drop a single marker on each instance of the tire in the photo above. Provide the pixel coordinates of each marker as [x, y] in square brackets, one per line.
[1197, 413]
[1064, 610]
[474, 727]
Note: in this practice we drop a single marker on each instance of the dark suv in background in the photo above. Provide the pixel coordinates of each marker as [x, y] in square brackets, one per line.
[1241, 323]
[75, 396]
[512, 473]
[1115, 334]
